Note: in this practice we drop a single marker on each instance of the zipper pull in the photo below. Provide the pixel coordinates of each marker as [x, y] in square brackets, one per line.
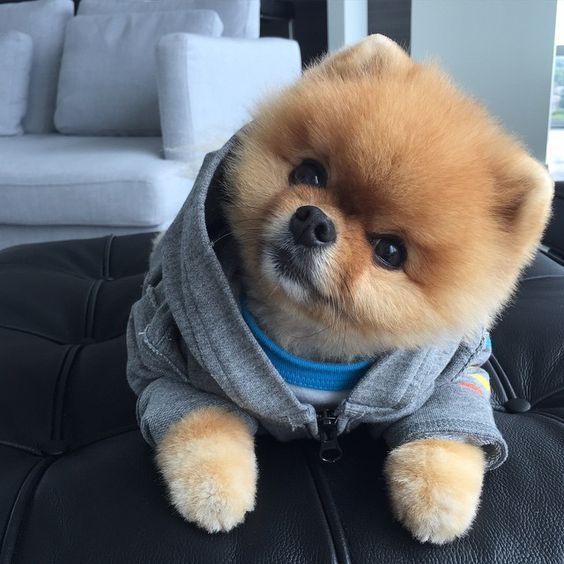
[329, 451]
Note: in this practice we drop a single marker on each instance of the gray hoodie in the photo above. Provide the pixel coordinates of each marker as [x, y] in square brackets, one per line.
[189, 347]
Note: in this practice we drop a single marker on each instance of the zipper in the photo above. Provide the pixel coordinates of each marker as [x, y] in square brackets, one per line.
[329, 450]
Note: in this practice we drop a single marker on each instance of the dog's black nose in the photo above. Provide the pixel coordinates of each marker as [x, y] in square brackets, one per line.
[312, 228]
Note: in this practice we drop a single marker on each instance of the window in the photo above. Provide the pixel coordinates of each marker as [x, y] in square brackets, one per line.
[555, 149]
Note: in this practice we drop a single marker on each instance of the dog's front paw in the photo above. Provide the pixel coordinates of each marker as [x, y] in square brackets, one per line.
[209, 465]
[435, 486]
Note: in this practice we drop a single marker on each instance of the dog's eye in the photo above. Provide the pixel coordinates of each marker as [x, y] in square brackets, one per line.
[309, 172]
[389, 250]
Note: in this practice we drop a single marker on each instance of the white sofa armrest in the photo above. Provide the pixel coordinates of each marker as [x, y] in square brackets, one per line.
[208, 87]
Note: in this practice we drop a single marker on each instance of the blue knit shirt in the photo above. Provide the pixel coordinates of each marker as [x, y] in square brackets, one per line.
[305, 373]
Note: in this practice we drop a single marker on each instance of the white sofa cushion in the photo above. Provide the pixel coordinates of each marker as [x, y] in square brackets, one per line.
[208, 87]
[44, 21]
[108, 82]
[241, 18]
[16, 50]
[58, 180]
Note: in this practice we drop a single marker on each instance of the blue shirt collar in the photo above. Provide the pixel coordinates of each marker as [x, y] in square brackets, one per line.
[302, 372]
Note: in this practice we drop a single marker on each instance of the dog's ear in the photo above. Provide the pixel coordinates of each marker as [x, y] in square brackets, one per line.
[522, 202]
[374, 55]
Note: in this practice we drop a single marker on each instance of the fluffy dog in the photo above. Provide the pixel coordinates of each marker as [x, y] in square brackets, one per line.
[375, 208]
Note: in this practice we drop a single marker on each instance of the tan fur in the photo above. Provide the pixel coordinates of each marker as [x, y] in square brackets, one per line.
[208, 462]
[435, 487]
[407, 153]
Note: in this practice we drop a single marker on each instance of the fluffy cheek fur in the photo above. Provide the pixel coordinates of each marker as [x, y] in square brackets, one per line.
[374, 307]
[435, 487]
[208, 462]
[460, 271]
[406, 153]
[368, 306]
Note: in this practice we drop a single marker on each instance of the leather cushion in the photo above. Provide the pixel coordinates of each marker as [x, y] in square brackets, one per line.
[78, 484]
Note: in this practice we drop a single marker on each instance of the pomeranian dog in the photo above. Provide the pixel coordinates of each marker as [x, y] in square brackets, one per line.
[375, 208]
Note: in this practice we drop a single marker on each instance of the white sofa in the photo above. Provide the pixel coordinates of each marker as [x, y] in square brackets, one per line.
[76, 185]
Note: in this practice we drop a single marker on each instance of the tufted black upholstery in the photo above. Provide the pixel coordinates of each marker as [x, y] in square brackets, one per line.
[77, 482]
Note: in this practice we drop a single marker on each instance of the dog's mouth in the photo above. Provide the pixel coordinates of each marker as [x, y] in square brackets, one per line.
[292, 269]
[286, 264]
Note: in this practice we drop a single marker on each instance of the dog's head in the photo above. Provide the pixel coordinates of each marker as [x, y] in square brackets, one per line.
[375, 198]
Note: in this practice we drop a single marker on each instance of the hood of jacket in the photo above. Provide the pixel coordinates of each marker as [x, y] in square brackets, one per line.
[196, 263]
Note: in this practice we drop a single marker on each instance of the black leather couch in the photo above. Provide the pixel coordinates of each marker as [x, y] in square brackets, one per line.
[78, 485]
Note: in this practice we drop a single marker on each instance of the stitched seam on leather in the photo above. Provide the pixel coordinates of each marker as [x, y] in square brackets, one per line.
[24, 448]
[554, 360]
[553, 258]
[90, 307]
[547, 396]
[497, 387]
[502, 376]
[33, 334]
[548, 416]
[542, 277]
[3, 546]
[60, 392]
[58, 342]
[27, 507]
[45, 268]
[115, 433]
[332, 521]
[106, 257]
[54, 399]
[20, 510]
[61, 271]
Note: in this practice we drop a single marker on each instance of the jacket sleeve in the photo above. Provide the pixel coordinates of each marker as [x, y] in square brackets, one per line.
[458, 409]
[157, 372]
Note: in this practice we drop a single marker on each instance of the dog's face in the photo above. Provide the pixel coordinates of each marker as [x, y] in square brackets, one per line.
[376, 199]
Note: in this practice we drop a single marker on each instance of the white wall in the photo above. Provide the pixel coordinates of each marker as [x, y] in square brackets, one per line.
[347, 22]
[501, 51]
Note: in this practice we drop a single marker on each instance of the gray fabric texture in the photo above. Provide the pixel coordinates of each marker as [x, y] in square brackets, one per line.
[108, 79]
[44, 21]
[106, 181]
[16, 50]
[241, 18]
[189, 347]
